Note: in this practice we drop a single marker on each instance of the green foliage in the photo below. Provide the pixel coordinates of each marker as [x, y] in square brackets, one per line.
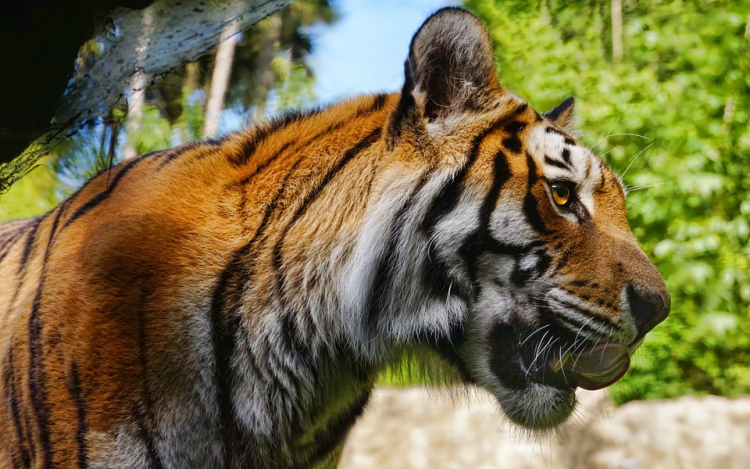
[295, 86]
[31, 195]
[684, 85]
[157, 132]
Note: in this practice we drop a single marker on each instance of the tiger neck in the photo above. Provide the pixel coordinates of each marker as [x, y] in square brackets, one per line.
[346, 287]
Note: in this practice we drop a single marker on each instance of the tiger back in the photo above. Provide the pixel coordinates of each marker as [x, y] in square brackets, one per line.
[230, 303]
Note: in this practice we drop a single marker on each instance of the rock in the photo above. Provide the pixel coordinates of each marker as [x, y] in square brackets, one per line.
[464, 428]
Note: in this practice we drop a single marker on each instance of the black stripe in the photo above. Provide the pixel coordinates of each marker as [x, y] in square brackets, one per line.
[581, 212]
[142, 424]
[512, 142]
[448, 196]
[288, 382]
[30, 240]
[480, 239]
[225, 326]
[250, 145]
[37, 387]
[264, 131]
[362, 145]
[436, 276]
[168, 156]
[10, 395]
[226, 323]
[553, 162]
[545, 260]
[406, 110]
[289, 334]
[246, 179]
[103, 195]
[10, 229]
[569, 141]
[379, 102]
[580, 329]
[521, 276]
[75, 391]
[305, 143]
[388, 260]
[515, 127]
[585, 323]
[6, 235]
[224, 344]
[588, 168]
[516, 250]
[154, 154]
[8, 244]
[530, 204]
[12, 226]
[171, 155]
[552, 130]
[566, 155]
[53, 231]
[531, 209]
[293, 342]
[505, 360]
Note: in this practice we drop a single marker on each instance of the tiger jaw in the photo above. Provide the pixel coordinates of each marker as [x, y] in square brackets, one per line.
[533, 368]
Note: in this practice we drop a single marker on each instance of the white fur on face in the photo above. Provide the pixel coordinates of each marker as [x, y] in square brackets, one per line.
[581, 166]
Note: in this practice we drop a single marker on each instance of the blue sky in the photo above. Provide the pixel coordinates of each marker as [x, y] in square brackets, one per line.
[364, 51]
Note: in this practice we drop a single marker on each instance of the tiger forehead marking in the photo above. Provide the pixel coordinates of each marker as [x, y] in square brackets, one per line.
[230, 303]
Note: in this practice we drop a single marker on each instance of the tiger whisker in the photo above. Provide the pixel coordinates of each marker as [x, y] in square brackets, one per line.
[644, 186]
[632, 160]
[535, 331]
[608, 133]
[628, 134]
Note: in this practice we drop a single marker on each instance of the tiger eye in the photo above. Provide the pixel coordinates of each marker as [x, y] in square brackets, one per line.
[560, 193]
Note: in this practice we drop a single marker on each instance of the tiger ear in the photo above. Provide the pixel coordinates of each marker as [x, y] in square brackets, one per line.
[451, 64]
[562, 115]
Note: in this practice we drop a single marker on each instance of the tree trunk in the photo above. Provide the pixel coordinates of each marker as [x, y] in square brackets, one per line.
[138, 89]
[617, 30]
[220, 80]
[263, 78]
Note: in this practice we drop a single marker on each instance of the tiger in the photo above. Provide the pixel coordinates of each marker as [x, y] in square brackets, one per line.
[231, 303]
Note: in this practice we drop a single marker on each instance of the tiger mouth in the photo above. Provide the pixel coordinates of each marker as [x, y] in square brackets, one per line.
[523, 363]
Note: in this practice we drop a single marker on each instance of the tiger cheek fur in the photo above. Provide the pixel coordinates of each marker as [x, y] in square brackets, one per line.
[230, 303]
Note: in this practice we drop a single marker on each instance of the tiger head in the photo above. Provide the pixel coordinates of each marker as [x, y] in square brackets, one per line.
[523, 237]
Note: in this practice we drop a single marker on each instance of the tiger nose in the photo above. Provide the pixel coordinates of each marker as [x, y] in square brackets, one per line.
[649, 307]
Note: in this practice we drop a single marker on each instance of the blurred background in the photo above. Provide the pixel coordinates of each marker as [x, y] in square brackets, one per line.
[662, 92]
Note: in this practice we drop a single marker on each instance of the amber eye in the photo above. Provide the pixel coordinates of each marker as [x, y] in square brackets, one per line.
[561, 193]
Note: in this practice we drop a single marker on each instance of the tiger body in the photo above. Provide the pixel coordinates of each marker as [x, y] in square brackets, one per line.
[230, 303]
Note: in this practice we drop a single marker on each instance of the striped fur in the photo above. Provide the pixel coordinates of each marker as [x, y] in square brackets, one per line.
[230, 303]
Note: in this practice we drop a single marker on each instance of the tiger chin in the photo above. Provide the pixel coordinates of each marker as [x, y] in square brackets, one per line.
[230, 303]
